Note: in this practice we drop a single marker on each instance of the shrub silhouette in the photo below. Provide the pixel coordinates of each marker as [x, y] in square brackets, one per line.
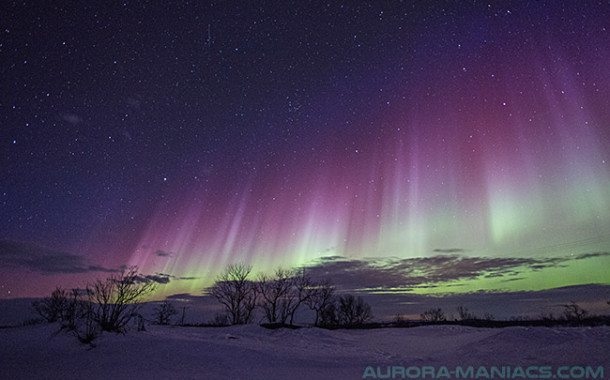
[574, 313]
[86, 327]
[219, 320]
[104, 305]
[53, 308]
[113, 303]
[464, 314]
[434, 315]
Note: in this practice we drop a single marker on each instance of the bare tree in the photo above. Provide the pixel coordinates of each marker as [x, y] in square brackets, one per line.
[574, 313]
[301, 291]
[183, 316]
[434, 315]
[236, 293]
[353, 311]
[164, 312]
[320, 297]
[329, 314]
[273, 291]
[116, 300]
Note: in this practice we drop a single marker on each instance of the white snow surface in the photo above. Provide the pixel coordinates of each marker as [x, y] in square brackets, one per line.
[253, 352]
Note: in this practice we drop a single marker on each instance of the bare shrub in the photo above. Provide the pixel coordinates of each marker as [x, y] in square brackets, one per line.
[104, 305]
[464, 314]
[433, 315]
[74, 309]
[164, 313]
[52, 308]
[86, 328]
[116, 301]
[574, 313]
[399, 320]
[236, 293]
[220, 319]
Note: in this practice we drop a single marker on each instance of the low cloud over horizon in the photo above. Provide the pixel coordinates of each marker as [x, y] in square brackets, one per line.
[30, 256]
[387, 282]
[409, 273]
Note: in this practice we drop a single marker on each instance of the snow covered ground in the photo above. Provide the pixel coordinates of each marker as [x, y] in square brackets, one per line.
[252, 352]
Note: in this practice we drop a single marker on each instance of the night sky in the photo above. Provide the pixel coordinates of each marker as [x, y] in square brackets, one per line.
[467, 141]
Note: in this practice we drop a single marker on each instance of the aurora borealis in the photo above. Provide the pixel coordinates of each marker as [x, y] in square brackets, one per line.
[183, 137]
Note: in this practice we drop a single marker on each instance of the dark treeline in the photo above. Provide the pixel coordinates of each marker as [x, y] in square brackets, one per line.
[271, 300]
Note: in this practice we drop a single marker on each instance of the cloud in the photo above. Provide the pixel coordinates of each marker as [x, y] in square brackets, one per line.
[29, 256]
[159, 278]
[450, 250]
[395, 274]
[186, 297]
[161, 253]
[162, 278]
[591, 255]
[187, 278]
[97, 268]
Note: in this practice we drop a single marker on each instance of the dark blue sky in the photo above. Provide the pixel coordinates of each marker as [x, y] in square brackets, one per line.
[182, 136]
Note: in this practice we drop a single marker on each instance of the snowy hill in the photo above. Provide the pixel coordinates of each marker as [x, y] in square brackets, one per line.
[252, 352]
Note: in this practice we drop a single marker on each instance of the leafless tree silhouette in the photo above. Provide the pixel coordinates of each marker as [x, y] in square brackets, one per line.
[283, 293]
[236, 293]
[302, 290]
[273, 292]
[353, 311]
[164, 312]
[319, 300]
[116, 300]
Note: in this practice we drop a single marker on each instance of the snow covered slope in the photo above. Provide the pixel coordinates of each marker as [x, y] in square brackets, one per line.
[252, 352]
